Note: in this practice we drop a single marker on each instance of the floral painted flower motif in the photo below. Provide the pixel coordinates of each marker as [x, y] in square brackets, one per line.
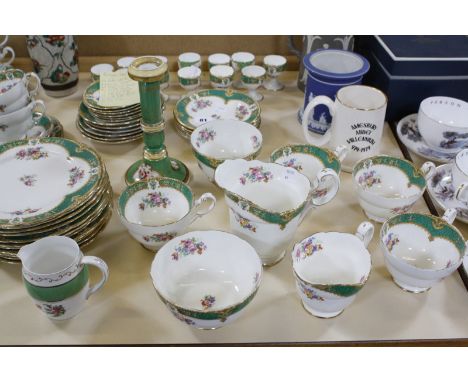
[28, 180]
[180, 317]
[319, 193]
[308, 248]
[37, 66]
[31, 153]
[59, 75]
[310, 294]
[368, 179]
[4, 89]
[242, 111]
[453, 140]
[145, 172]
[25, 211]
[245, 223]
[391, 240]
[443, 190]
[31, 42]
[55, 40]
[411, 131]
[158, 237]
[401, 210]
[449, 264]
[154, 199]
[207, 301]
[3, 127]
[2, 109]
[205, 135]
[200, 104]
[188, 247]
[255, 142]
[54, 310]
[74, 176]
[256, 174]
[293, 163]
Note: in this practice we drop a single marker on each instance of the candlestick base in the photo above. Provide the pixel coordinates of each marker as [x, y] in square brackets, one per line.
[143, 171]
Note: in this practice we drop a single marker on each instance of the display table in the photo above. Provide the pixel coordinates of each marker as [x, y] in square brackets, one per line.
[128, 311]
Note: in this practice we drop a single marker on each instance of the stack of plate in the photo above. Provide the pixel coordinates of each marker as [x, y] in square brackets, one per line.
[51, 186]
[203, 106]
[107, 124]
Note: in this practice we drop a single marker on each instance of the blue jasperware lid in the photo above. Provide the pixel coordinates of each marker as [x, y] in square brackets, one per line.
[336, 64]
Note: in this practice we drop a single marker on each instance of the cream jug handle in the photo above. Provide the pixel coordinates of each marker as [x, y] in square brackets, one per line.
[428, 169]
[365, 232]
[198, 212]
[341, 151]
[449, 215]
[312, 138]
[321, 194]
[99, 263]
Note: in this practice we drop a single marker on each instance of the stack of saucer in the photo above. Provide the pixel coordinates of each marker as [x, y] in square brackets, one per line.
[203, 106]
[51, 186]
[107, 124]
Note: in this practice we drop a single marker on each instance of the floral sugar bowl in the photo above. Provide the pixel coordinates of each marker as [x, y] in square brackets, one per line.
[206, 278]
[388, 186]
[157, 210]
[218, 140]
[328, 277]
[420, 250]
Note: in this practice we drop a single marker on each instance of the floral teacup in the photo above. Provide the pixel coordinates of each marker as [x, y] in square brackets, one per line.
[219, 140]
[14, 84]
[157, 210]
[331, 268]
[388, 186]
[206, 278]
[420, 250]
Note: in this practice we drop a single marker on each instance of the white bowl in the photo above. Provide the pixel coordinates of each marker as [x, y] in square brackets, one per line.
[328, 277]
[206, 278]
[443, 123]
[218, 140]
[388, 186]
[420, 250]
[156, 211]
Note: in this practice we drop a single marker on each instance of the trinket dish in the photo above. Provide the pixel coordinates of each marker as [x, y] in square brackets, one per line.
[218, 140]
[206, 278]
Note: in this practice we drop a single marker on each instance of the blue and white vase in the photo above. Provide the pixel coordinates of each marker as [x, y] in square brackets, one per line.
[328, 70]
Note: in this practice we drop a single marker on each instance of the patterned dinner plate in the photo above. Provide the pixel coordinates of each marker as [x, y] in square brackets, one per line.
[442, 192]
[203, 106]
[408, 132]
[45, 178]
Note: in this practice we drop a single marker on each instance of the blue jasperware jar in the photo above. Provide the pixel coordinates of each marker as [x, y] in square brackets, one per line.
[328, 70]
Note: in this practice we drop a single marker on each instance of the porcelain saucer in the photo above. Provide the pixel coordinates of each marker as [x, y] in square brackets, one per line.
[408, 132]
[442, 192]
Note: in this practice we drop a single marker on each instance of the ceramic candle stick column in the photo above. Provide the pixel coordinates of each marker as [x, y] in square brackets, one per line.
[149, 72]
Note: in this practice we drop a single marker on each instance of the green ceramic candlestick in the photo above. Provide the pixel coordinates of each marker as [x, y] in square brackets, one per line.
[149, 71]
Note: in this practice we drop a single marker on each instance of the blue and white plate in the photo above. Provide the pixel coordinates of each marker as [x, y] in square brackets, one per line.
[408, 132]
[442, 192]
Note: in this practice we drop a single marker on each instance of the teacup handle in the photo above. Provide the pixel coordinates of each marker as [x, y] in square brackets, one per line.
[428, 169]
[99, 263]
[365, 232]
[320, 195]
[38, 108]
[198, 212]
[449, 215]
[341, 151]
[36, 83]
[4, 53]
[461, 193]
[312, 138]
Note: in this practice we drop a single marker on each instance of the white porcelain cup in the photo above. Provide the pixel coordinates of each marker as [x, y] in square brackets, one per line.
[218, 59]
[98, 69]
[124, 62]
[252, 77]
[189, 59]
[15, 125]
[358, 118]
[443, 123]
[189, 77]
[460, 175]
[221, 76]
[18, 104]
[15, 83]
